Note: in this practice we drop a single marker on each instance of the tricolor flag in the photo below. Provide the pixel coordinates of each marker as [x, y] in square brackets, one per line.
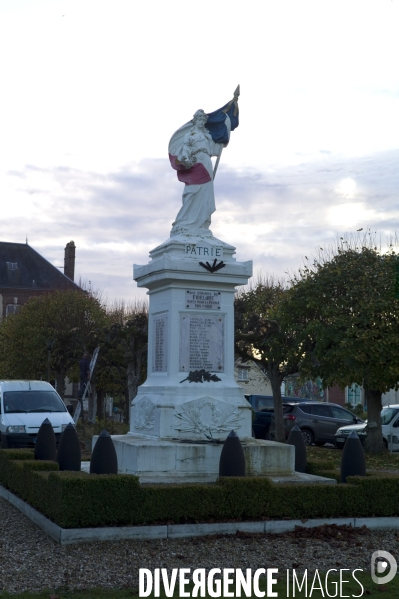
[219, 124]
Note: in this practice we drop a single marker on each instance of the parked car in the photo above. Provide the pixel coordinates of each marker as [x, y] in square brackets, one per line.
[23, 407]
[389, 426]
[263, 406]
[318, 421]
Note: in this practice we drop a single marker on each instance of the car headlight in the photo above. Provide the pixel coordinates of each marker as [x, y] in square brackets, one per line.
[339, 432]
[15, 429]
[360, 433]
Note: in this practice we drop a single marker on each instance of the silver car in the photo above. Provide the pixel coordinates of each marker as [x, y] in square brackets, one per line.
[389, 427]
[318, 421]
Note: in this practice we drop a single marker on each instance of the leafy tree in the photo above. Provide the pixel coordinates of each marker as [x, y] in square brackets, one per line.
[122, 364]
[69, 321]
[264, 334]
[348, 301]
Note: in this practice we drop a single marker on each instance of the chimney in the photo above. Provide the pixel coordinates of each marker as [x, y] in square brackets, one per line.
[69, 260]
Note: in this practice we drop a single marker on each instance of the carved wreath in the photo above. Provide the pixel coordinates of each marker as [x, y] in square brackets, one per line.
[192, 419]
[145, 415]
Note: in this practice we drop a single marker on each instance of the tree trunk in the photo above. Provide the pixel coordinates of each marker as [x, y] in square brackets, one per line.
[132, 382]
[373, 443]
[82, 414]
[275, 380]
[60, 378]
[92, 399]
[134, 377]
[100, 404]
[126, 407]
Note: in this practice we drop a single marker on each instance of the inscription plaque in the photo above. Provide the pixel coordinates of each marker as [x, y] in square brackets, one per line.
[202, 300]
[201, 342]
[159, 351]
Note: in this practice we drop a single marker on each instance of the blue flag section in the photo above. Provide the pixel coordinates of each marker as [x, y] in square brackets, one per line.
[216, 123]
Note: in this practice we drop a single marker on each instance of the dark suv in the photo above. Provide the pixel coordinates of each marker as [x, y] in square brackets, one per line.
[263, 406]
[318, 421]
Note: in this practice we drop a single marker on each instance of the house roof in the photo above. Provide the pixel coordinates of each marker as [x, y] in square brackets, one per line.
[22, 267]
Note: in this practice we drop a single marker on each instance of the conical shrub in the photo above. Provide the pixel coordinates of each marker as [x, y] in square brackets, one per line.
[232, 458]
[69, 456]
[353, 460]
[103, 458]
[46, 444]
[296, 439]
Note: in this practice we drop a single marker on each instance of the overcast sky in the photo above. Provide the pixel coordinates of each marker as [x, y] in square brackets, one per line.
[92, 91]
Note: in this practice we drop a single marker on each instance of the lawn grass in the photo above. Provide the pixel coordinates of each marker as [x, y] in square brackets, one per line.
[352, 588]
[383, 462]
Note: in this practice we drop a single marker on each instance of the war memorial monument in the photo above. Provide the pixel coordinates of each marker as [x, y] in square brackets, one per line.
[190, 401]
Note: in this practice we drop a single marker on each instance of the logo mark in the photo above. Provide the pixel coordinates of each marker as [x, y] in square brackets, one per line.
[384, 563]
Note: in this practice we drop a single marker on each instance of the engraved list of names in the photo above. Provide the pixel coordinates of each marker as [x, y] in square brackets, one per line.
[159, 356]
[201, 342]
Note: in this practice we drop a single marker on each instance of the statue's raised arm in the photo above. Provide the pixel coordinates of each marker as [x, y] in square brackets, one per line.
[190, 152]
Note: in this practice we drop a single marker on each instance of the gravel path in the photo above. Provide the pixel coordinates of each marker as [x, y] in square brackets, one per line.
[30, 560]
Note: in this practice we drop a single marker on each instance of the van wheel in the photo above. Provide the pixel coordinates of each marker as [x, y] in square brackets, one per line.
[308, 436]
[4, 442]
[385, 443]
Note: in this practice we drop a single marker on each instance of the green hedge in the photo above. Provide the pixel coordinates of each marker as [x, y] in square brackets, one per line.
[77, 499]
[16, 469]
[324, 468]
[16, 454]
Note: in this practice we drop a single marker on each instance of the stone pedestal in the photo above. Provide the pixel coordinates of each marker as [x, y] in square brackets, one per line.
[191, 328]
[190, 401]
[174, 461]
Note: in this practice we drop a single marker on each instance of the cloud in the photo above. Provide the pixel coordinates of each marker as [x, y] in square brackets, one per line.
[273, 217]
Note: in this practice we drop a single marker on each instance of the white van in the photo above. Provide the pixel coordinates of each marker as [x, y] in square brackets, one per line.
[23, 407]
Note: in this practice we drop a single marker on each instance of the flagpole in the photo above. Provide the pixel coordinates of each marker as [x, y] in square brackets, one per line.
[217, 161]
[235, 99]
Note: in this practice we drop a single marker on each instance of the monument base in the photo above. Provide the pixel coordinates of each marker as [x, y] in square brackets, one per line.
[175, 461]
[191, 401]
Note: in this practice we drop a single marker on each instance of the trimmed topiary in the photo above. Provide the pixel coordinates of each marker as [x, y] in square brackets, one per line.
[232, 459]
[46, 445]
[353, 460]
[69, 456]
[103, 458]
[296, 439]
[120, 500]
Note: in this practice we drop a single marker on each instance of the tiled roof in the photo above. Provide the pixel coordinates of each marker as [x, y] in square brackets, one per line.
[22, 267]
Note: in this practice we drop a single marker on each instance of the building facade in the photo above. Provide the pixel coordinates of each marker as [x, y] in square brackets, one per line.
[251, 378]
[24, 273]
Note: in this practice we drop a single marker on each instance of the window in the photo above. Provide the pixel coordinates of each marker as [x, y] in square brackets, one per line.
[306, 409]
[12, 309]
[12, 265]
[33, 401]
[321, 411]
[387, 415]
[265, 404]
[342, 414]
[354, 395]
[243, 373]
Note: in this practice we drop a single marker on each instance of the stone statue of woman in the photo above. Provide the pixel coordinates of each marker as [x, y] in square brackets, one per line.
[190, 152]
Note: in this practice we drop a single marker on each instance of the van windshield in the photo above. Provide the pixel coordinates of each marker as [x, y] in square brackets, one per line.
[387, 414]
[32, 401]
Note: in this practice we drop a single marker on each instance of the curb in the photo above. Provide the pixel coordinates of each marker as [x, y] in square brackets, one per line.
[68, 536]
